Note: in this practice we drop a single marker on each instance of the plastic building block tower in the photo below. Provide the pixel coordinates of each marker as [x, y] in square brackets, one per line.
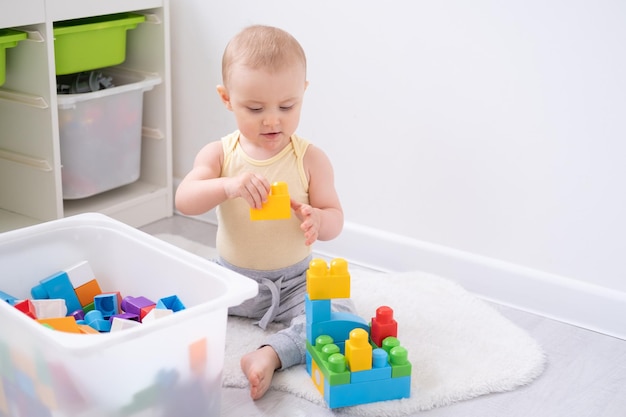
[346, 365]
[277, 206]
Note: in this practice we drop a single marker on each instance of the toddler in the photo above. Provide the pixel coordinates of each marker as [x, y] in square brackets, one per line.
[264, 80]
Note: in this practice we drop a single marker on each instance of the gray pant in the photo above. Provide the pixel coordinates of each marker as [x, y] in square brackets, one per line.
[281, 299]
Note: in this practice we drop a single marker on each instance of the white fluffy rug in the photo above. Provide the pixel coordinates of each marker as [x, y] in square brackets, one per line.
[460, 347]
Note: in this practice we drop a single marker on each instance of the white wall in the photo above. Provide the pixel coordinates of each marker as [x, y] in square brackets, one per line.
[496, 128]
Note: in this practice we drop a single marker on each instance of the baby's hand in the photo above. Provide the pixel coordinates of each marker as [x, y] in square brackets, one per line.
[310, 219]
[253, 188]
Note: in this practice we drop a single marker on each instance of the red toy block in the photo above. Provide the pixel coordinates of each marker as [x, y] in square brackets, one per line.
[145, 310]
[27, 307]
[383, 325]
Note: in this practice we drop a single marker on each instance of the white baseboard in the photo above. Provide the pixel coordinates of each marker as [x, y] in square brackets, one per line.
[564, 299]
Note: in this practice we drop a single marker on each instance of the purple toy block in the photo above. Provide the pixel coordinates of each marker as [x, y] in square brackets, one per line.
[134, 305]
[78, 315]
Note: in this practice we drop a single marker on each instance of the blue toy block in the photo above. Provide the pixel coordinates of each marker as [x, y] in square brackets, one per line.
[170, 303]
[107, 304]
[380, 369]
[8, 298]
[316, 310]
[338, 327]
[57, 286]
[367, 392]
[95, 319]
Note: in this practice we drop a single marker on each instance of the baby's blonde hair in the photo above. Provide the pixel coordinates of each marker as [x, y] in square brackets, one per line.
[259, 47]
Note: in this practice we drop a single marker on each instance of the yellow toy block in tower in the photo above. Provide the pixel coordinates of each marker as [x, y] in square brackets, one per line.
[277, 206]
[323, 283]
[359, 351]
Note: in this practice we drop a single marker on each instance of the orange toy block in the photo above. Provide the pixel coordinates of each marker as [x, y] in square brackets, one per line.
[64, 324]
[198, 356]
[359, 351]
[277, 206]
[324, 283]
[87, 292]
[86, 329]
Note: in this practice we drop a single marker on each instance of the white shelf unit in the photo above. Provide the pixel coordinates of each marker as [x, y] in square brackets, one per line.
[30, 161]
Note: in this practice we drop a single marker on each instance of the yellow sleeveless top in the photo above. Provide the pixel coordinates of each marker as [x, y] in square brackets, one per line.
[266, 244]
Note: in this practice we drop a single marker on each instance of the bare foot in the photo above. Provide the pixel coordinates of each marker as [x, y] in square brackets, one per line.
[259, 367]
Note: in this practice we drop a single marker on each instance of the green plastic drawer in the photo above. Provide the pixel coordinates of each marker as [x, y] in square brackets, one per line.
[92, 43]
[8, 39]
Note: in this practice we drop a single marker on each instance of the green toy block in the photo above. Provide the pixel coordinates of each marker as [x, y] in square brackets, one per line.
[330, 362]
[400, 365]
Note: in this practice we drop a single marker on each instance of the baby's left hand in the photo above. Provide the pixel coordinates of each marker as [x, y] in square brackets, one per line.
[310, 219]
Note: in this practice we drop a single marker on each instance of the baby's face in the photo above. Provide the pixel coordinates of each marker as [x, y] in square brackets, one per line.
[267, 104]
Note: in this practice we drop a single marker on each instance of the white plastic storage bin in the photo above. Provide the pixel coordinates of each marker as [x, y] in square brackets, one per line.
[168, 367]
[100, 134]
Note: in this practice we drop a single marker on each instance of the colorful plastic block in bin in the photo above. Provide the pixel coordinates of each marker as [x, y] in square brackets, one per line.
[93, 42]
[8, 39]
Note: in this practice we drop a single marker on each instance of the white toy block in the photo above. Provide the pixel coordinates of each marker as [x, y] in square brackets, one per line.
[80, 273]
[157, 313]
[123, 324]
[50, 308]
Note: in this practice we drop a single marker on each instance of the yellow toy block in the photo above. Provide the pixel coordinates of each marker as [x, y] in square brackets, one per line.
[324, 283]
[277, 206]
[317, 377]
[359, 351]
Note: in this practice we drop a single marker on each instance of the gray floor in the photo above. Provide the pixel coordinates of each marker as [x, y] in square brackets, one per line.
[586, 373]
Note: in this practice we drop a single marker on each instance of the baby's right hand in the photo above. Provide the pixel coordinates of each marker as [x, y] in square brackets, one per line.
[253, 188]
